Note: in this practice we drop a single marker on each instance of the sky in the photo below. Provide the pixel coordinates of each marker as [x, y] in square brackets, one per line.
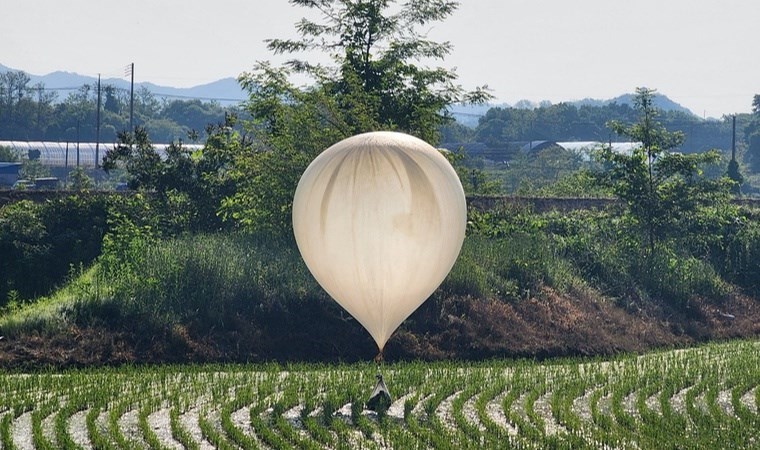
[702, 54]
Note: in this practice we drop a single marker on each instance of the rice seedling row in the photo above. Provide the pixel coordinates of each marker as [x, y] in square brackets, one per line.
[703, 397]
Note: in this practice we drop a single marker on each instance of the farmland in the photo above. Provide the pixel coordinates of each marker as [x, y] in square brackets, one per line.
[703, 397]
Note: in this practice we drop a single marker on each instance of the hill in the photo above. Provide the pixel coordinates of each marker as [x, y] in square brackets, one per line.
[660, 101]
[227, 91]
[469, 114]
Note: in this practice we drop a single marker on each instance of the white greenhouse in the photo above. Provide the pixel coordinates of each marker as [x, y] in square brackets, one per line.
[70, 154]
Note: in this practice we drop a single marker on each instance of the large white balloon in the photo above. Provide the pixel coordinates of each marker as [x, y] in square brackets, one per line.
[379, 219]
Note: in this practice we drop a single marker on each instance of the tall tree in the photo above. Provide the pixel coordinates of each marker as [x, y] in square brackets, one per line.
[662, 188]
[374, 80]
[376, 48]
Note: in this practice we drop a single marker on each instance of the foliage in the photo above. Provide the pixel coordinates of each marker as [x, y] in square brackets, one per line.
[376, 47]
[22, 245]
[739, 260]
[753, 153]
[243, 295]
[139, 158]
[79, 180]
[31, 169]
[132, 230]
[563, 122]
[664, 191]
[375, 82]
[578, 184]
[528, 172]
[41, 242]
[7, 154]
[456, 132]
[735, 175]
[475, 181]
[203, 281]
[510, 269]
[190, 183]
[600, 249]
[35, 113]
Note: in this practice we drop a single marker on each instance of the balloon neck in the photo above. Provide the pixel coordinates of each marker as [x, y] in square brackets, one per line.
[379, 357]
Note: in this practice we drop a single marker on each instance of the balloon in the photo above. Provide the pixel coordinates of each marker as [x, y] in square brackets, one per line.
[379, 219]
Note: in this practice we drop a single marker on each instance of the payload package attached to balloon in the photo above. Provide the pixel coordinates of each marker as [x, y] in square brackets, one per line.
[379, 219]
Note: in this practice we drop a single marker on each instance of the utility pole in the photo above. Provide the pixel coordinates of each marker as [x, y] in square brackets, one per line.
[77, 142]
[132, 100]
[39, 106]
[97, 129]
[733, 140]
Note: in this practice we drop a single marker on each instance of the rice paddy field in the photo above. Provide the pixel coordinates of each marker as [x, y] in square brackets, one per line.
[704, 397]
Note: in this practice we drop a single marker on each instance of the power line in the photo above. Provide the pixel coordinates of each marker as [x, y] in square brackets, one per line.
[71, 88]
[221, 99]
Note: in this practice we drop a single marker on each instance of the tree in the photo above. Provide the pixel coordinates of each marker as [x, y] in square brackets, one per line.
[376, 49]
[7, 154]
[752, 136]
[374, 81]
[190, 183]
[13, 93]
[25, 111]
[662, 189]
[752, 157]
[735, 175]
[32, 168]
[79, 180]
[135, 153]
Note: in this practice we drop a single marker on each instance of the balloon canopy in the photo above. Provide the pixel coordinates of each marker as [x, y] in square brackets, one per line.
[379, 219]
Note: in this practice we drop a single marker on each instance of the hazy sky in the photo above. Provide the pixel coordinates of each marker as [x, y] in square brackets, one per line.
[701, 53]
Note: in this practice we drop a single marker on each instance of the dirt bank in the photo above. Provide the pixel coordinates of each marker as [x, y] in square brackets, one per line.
[545, 325]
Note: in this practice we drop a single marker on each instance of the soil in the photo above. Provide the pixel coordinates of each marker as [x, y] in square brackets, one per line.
[546, 325]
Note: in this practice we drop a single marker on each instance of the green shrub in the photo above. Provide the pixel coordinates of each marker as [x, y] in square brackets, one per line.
[675, 279]
[508, 267]
[40, 242]
[205, 280]
[741, 258]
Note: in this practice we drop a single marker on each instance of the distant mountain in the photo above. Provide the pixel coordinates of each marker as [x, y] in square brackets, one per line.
[660, 101]
[226, 91]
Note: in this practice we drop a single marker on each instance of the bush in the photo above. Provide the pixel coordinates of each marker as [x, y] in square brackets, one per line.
[510, 267]
[518, 250]
[741, 258]
[41, 242]
[205, 280]
[675, 279]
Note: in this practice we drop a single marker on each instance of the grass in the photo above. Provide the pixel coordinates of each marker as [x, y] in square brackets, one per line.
[52, 313]
[207, 279]
[689, 384]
